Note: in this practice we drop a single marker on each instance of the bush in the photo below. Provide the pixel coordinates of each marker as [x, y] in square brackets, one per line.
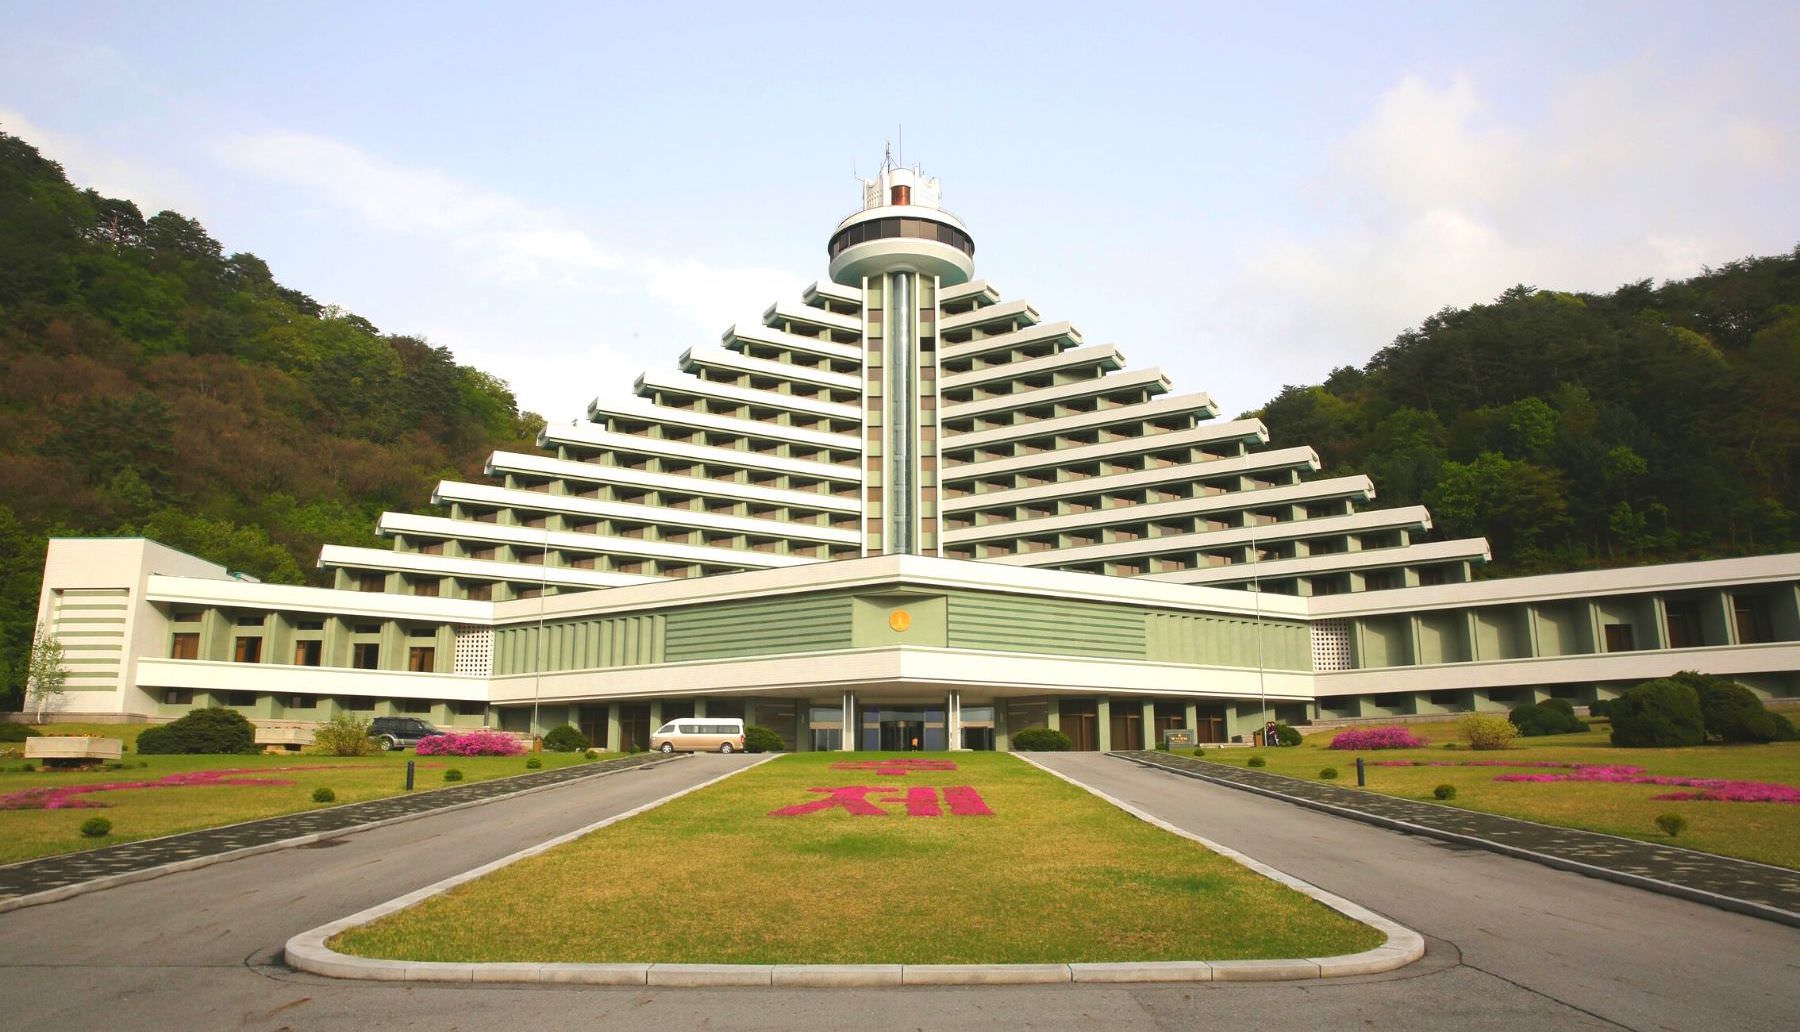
[1550, 717]
[1600, 709]
[1444, 792]
[344, 735]
[1784, 728]
[1257, 761]
[17, 732]
[591, 754]
[534, 764]
[566, 738]
[1672, 824]
[96, 827]
[761, 739]
[1485, 731]
[1376, 738]
[1285, 735]
[1729, 712]
[210, 731]
[324, 795]
[1328, 774]
[1657, 714]
[1041, 739]
[470, 743]
[453, 775]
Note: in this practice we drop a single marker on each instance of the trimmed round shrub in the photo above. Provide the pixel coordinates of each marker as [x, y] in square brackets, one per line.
[1257, 761]
[566, 738]
[1041, 739]
[1444, 792]
[96, 827]
[1784, 728]
[1657, 714]
[1600, 709]
[1360, 738]
[215, 730]
[453, 775]
[1730, 712]
[18, 732]
[470, 743]
[534, 764]
[1672, 824]
[1485, 731]
[324, 795]
[591, 754]
[1328, 774]
[1286, 735]
[344, 735]
[1550, 717]
[761, 739]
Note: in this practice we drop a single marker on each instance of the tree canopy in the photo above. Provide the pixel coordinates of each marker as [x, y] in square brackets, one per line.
[152, 384]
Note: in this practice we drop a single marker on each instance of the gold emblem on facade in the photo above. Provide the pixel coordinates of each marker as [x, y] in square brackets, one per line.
[900, 619]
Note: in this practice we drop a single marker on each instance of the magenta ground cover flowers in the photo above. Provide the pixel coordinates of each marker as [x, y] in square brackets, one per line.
[470, 743]
[1376, 738]
[1720, 790]
[68, 797]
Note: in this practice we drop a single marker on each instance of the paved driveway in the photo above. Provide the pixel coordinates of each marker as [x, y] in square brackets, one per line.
[1519, 947]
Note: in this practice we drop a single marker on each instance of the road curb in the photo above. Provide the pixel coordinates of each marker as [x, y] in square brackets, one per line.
[108, 881]
[1693, 895]
[308, 951]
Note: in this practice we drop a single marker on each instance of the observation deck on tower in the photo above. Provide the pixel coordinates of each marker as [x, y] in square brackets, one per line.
[901, 228]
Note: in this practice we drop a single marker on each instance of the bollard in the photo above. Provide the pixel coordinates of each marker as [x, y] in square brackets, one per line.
[409, 774]
[1359, 772]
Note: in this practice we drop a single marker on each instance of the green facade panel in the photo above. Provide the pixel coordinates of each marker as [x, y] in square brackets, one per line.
[1007, 623]
[1228, 641]
[579, 645]
[759, 628]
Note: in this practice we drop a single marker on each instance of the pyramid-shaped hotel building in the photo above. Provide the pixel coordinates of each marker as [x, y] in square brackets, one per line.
[902, 509]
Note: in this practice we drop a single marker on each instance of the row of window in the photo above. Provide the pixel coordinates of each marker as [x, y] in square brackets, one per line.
[364, 655]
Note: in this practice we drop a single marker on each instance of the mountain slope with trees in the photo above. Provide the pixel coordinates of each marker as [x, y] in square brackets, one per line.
[1651, 424]
[152, 384]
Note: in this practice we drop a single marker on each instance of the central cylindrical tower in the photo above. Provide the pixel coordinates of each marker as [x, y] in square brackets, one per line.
[901, 249]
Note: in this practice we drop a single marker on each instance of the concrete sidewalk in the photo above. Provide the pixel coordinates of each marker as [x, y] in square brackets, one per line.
[1739, 885]
[57, 877]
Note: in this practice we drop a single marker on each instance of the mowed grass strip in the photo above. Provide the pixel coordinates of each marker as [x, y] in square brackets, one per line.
[143, 813]
[1054, 875]
[1765, 832]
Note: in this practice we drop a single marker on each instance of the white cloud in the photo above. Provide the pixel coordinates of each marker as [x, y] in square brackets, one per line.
[1437, 198]
[153, 187]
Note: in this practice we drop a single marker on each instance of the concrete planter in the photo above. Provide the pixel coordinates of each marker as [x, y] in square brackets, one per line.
[67, 747]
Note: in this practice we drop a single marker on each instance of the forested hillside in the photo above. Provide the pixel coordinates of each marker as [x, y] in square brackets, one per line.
[152, 384]
[1651, 424]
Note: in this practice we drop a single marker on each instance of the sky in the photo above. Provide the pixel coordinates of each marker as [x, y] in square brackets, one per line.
[1244, 195]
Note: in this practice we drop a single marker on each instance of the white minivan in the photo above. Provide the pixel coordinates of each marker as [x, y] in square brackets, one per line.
[700, 734]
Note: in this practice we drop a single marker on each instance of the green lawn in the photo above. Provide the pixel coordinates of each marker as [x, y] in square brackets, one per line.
[1766, 832]
[150, 812]
[1052, 875]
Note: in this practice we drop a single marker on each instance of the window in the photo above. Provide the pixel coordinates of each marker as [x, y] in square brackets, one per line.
[470, 709]
[359, 704]
[417, 706]
[311, 625]
[421, 659]
[251, 620]
[178, 697]
[1683, 623]
[247, 650]
[308, 653]
[302, 702]
[425, 588]
[481, 592]
[186, 616]
[185, 645]
[367, 628]
[1620, 638]
[365, 655]
[371, 582]
[1752, 616]
[245, 699]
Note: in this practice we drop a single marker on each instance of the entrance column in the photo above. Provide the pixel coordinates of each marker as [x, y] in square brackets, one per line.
[613, 730]
[1149, 732]
[1193, 718]
[656, 720]
[1103, 717]
[953, 720]
[700, 706]
[847, 737]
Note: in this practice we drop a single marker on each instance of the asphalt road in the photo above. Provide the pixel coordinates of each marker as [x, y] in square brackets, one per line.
[1513, 946]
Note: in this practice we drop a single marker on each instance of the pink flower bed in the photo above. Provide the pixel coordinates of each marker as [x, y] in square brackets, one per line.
[1376, 738]
[68, 797]
[470, 743]
[962, 800]
[1719, 790]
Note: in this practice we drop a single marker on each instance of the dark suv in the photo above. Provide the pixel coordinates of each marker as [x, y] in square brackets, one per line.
[400, 732]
